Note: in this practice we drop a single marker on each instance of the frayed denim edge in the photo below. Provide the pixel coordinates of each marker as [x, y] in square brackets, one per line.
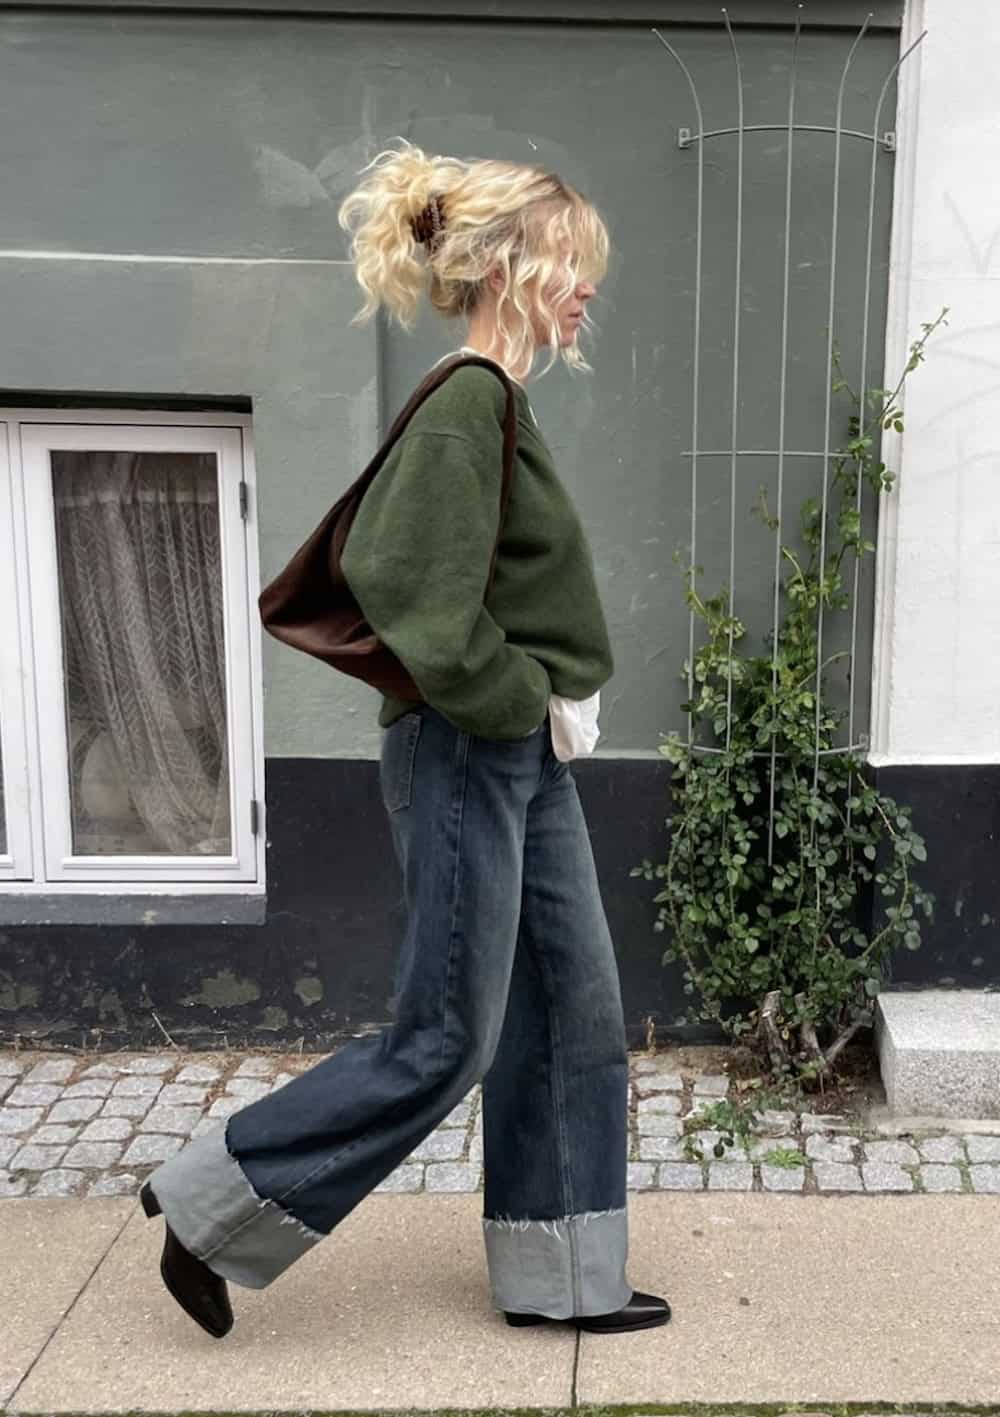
[550, 1227]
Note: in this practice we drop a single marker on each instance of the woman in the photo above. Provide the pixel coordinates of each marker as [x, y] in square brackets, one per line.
[507, 973]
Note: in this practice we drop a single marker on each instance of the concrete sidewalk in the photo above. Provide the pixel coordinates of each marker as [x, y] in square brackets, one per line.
[777, 1299]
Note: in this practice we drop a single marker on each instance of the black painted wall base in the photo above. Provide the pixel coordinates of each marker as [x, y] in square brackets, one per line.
[319, 967]
[957, 812]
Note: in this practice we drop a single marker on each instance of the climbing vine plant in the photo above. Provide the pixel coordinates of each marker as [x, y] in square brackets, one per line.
[779, 859]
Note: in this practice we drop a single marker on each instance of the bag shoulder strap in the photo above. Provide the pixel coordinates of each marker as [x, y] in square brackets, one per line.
[423, 391]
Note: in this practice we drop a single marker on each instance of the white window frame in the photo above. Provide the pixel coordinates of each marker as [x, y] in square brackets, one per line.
[15, 862]
[35, 746]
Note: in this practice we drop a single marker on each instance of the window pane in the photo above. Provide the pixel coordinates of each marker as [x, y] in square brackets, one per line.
[140, 590]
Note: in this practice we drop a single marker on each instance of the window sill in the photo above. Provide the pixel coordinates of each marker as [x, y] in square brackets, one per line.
[79, 909]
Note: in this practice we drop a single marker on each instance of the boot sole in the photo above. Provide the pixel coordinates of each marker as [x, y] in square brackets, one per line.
[657, 1321]
[530, 1320]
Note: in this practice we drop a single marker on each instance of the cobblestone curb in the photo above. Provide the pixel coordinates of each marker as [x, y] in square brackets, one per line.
[75, 1126]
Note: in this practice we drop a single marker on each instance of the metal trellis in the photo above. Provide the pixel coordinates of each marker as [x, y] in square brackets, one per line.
[688, 139]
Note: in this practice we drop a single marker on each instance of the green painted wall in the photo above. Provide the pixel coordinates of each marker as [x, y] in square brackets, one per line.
[211, 136]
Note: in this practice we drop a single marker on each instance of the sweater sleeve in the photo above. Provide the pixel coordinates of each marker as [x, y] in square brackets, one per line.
[417, 560]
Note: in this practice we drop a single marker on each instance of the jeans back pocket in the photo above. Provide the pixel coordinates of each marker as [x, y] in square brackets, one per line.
[399, 751]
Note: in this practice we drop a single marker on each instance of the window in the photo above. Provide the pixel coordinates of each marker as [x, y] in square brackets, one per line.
[130, 744]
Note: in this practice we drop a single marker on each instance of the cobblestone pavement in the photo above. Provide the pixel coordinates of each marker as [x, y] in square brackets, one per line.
[72, 1126]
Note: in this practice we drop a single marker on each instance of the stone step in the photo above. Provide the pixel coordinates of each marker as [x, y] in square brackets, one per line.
[939, 1051]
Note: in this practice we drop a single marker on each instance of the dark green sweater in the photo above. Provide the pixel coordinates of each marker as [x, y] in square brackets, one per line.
[418, 557]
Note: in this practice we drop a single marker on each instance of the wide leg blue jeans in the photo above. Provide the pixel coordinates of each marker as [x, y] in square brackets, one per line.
[506, 975]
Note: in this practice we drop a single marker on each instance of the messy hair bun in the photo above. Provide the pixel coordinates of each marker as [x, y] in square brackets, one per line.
[541, 234]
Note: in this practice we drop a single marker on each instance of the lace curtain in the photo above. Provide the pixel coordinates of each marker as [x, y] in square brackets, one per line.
[141, 593]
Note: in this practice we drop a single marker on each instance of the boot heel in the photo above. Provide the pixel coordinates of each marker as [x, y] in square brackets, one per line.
[149, 1202]
[524, 1320]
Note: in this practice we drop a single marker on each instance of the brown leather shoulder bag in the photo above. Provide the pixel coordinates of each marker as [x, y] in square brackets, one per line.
[309, 604]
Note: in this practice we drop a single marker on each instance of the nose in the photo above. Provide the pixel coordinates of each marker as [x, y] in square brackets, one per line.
[585, 290]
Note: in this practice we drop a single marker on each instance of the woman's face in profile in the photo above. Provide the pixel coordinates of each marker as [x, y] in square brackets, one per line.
[569, 309]
[571, 312]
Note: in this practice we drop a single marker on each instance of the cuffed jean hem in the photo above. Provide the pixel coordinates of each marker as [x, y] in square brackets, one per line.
[565, 1268]
[216, 1214]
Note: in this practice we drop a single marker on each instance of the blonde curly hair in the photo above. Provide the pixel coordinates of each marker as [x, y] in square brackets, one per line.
[542, 235]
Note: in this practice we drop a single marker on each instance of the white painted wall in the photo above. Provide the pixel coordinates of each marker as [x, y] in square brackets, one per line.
[936, 694]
